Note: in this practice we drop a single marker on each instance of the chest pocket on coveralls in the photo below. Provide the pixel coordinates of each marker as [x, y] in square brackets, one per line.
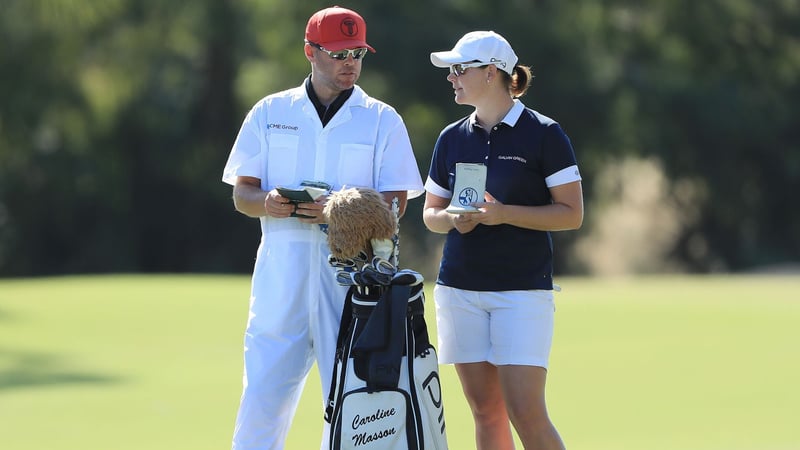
[282, 159]
[355, 165]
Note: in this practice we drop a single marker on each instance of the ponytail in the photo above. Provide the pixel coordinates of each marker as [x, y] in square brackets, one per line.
[519, 81]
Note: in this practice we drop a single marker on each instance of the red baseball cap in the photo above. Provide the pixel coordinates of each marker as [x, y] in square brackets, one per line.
[337, 28]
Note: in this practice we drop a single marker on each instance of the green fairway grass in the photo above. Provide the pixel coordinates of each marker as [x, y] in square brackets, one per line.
[154, 362]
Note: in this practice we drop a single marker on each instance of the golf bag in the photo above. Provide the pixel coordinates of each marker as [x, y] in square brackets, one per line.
[385, 389]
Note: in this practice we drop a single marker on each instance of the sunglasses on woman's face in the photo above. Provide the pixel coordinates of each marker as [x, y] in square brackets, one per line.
[341, 55]
[459, 69]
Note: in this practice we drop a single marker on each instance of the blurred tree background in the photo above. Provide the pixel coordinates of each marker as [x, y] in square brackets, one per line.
[116, 119]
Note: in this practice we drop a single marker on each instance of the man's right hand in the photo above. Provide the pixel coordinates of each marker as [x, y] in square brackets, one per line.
[278, 206]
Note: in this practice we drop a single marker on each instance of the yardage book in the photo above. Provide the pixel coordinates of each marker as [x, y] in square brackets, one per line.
[470, 187]
[307, 192]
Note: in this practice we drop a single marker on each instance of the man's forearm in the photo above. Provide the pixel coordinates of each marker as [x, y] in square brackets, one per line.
[249, 200]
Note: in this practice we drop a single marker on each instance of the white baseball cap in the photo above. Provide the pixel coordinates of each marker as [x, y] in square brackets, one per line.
[484, 46]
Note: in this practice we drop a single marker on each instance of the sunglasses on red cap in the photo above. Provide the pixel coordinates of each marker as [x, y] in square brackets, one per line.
[341, 55]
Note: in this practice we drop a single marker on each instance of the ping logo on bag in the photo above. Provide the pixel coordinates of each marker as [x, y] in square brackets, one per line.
[387, 368]
[435, 395]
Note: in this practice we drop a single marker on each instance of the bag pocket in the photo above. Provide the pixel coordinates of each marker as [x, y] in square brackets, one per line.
[373, 421]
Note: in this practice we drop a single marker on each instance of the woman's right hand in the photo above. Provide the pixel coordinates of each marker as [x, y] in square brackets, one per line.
[464, 223]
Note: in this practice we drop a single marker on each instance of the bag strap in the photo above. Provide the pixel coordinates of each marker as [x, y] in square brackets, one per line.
[344, 325]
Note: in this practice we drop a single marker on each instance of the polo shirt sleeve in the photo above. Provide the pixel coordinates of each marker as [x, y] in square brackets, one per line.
[438, 182]
[245, 158]
[559, 162]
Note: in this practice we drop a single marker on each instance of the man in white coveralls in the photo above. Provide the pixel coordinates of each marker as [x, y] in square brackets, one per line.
[327, 130]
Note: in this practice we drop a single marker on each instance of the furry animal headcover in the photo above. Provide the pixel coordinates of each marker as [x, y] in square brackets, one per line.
[356, 217]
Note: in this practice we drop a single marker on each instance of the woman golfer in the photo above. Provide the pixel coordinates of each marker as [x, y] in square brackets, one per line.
[494, 292]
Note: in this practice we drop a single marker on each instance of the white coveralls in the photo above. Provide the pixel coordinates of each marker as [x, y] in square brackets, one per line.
[295, 302]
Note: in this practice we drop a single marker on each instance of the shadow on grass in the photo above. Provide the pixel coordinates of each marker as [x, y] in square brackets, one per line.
[5, 315]
[29, 370]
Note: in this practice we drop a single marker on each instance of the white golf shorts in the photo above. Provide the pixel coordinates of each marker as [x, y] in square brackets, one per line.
[502, 328]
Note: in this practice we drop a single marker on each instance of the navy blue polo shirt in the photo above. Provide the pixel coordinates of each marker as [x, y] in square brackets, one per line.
[524, 154]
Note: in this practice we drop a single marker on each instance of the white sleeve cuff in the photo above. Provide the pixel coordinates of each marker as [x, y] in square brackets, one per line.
[563, 176]
[437, 190]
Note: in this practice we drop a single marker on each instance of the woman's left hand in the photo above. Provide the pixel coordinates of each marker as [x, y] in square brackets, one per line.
[492, 211]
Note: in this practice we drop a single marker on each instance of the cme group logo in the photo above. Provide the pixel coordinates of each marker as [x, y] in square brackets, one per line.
[467, 196]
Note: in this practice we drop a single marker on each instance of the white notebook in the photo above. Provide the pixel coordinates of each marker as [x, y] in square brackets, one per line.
[470, 187]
